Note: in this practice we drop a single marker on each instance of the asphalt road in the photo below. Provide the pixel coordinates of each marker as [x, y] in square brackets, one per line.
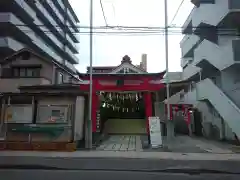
[105, 175]
[44, 168]
[71, 163]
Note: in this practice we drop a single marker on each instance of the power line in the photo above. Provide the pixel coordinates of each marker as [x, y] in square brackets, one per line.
[138, 33]
[131, 28]
[103, 13]
[120, 31]
[178, 9]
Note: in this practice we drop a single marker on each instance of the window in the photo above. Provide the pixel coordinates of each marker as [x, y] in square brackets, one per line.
[26, 72]
[22, 72]
[126, 70]
[56, 113]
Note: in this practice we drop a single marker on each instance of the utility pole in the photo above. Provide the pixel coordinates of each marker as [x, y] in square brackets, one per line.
[91, 79]
[170, 128]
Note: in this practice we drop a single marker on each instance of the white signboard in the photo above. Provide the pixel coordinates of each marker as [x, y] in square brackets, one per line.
[155, 132]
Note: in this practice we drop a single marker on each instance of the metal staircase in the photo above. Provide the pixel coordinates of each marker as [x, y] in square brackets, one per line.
[207, 90]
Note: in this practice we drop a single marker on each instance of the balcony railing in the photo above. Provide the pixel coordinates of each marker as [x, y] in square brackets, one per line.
[26, 8]
[187, 23]
[188, 44]
[8, 42]
[186, 61]
[190, 71]
[221, 56]
[74, 58]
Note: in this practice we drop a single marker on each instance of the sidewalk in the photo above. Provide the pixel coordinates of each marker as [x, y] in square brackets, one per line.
[186, 144]
[129, 154]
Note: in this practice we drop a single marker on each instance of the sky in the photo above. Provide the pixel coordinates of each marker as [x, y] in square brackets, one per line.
[108, 49]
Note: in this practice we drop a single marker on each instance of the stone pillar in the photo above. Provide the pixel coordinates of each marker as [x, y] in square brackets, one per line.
[170, 129]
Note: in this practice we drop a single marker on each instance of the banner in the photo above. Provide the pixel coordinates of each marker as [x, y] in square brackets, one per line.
[155, 132]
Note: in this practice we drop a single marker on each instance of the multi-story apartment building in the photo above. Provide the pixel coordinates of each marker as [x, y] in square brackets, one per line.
[210, 61]
[47, 27]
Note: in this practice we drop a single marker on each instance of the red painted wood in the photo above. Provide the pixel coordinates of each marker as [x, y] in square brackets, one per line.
[145, 86]
[155, 76]
[95, 101]
[141, 87]
[148, 108]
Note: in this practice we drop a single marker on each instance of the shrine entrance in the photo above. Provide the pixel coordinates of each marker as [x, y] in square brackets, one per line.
[122, 104]
[122, 113]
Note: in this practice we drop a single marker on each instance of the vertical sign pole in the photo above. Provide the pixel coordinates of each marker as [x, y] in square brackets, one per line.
[91, 79]
[170, 128]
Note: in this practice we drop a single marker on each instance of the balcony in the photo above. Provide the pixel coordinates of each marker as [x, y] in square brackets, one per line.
[60, 2]
[223, 13]
[71, 16]
[20, 8]
[188, 43]
[24, 36]
[191, 72]
[73, 46]
[187, 26]
[46, 23]
[9, 45]
[71, 67]
[39, 45]
[61, 7]
[220, 56]
[196, 2]
[47, 36]
[47, 6]
[12, 27]
[76, 40]
[186, 61]
[72, 56]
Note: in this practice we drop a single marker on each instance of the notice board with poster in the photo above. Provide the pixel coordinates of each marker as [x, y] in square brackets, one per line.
[19, 114]
[155, 132]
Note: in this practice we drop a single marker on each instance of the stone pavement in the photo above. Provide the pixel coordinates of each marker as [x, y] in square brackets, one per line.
[121, 143]
[186, 144]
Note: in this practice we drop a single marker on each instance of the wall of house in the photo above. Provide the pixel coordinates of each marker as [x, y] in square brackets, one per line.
[230, 84]
[213, 125]
[79, 118]
[11, 84]
[46, 71]
[48, 75]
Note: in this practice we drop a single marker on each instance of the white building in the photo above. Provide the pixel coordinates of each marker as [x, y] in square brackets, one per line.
[48, 27]
[210, 61]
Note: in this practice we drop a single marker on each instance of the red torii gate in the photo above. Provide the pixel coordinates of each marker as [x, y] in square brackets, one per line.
[145, 83]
